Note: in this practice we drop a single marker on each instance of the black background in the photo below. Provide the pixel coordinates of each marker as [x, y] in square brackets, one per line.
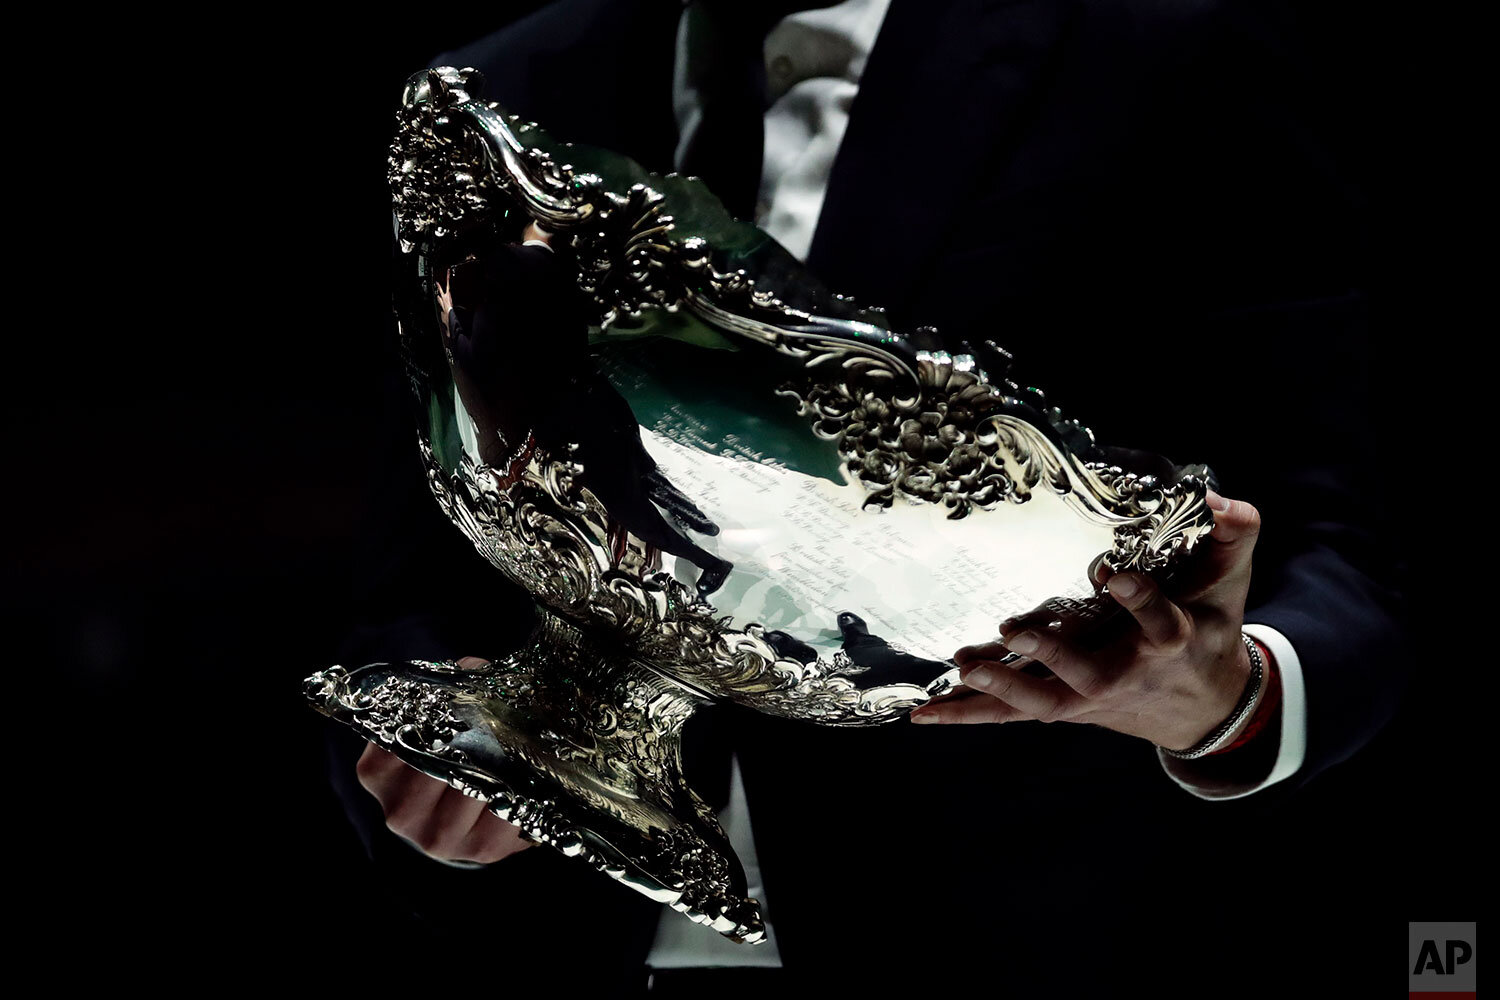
[197, 413]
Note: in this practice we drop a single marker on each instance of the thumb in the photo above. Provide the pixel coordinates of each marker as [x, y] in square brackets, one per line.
[1225, 561]
[1236, 523]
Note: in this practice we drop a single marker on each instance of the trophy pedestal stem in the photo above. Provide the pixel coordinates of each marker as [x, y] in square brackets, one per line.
[574, 742]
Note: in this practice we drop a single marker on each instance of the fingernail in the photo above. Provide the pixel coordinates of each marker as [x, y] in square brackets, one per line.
[1217, 502]
[1124, 586]
[979, 677]
[1025, 643]
[924, 718]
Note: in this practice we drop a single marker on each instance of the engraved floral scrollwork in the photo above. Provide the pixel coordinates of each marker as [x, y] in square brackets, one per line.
[930, 442]
[437, 173]
[625, 259]
[1170, 518]
[958, 441]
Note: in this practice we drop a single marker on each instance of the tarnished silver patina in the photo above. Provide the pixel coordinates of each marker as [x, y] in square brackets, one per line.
[924, 494]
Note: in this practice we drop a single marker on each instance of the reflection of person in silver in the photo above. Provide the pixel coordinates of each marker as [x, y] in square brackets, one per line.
[882, 662]
[875, 660]
[508, 315]
[490, 430]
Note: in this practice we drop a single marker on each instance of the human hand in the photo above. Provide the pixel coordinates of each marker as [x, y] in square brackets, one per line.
[535, 233]
[1171, 680]
[437, 818]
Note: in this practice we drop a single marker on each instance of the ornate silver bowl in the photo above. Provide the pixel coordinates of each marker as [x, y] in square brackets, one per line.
[718, 480]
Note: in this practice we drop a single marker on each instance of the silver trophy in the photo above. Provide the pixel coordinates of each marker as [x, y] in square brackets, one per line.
[718, 480]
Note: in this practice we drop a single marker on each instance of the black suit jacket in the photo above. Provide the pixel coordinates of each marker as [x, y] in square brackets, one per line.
[1134, 198]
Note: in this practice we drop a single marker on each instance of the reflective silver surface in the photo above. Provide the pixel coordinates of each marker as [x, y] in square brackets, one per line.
[721, 479]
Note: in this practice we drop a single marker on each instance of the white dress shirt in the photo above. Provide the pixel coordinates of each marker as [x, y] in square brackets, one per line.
[814, 60]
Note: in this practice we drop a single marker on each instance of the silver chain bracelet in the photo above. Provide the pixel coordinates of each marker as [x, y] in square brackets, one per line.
[1248, 703]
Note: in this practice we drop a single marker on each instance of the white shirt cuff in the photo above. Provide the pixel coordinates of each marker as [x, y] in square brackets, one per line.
[1293, 749]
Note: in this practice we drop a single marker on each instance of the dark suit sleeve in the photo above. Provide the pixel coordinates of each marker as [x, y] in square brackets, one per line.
[1328, 572]
[1294, 375]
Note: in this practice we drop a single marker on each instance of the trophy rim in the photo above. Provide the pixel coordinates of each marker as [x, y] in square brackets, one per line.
[538, 513]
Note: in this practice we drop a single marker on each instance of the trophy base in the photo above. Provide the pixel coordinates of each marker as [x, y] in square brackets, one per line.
[576, 744]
